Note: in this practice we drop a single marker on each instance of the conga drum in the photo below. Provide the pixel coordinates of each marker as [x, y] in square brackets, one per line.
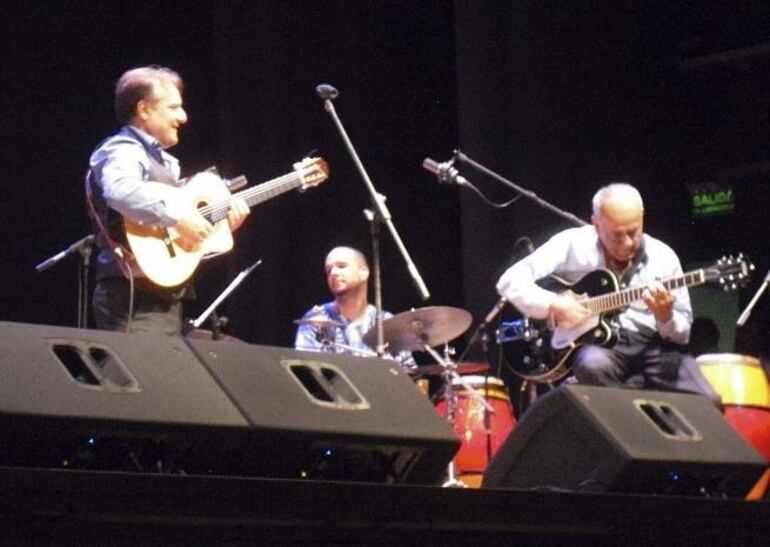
[742, 384]
[481, 432]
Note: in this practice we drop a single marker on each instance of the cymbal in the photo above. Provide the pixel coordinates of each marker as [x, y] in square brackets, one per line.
[318, 321]
[415, 329]
[460, 368]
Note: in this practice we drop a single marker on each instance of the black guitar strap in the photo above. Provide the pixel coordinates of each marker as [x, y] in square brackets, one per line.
[105, 239]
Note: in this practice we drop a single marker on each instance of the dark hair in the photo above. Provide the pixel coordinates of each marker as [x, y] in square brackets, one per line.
[138, 84]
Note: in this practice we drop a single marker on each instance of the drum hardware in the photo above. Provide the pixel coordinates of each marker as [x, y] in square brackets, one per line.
[449, 377]
[319, 321]
[482, 432]
[348, 349]
[322, 325]
[460, 368]
[421, 330]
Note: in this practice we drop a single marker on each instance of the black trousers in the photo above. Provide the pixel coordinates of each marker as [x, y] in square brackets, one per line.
[659, 364]
[151, 312]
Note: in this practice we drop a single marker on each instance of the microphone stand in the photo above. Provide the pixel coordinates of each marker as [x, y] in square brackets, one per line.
[218, 322]
[747, 312]
[374, 224]
[523, 191]
[481, 330]
[380, 215]
[84, 247]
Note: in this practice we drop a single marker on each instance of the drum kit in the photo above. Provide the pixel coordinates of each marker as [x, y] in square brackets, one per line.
[478, 407]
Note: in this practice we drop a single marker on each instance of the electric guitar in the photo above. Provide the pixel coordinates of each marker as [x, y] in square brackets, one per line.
[168, 260]
[543, 354]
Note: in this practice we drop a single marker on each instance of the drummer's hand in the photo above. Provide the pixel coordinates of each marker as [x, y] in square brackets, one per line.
[659, 301]
[567, 312]
[237, 213]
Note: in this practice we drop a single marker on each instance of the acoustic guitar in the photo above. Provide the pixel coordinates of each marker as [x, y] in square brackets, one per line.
[168, 260]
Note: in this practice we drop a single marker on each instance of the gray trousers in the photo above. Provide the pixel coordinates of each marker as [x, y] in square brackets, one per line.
[653, 363]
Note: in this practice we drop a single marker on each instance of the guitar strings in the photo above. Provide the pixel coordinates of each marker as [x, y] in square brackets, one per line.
[610, 301]
[266, 188]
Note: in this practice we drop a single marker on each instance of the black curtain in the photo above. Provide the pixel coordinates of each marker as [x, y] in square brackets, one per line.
[558, 97]
[562, 99]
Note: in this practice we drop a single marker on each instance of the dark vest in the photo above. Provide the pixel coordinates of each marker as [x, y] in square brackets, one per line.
[106, 265]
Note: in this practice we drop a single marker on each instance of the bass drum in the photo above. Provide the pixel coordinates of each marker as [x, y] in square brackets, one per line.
[742, 384]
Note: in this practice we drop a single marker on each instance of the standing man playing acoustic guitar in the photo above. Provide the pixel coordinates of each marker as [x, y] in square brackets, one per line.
[148, 102]
[651, 332]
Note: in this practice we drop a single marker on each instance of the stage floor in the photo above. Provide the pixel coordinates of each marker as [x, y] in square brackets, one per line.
[62, 507]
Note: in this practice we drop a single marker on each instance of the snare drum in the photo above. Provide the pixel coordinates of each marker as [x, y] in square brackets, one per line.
[479, 442]
[742, 384]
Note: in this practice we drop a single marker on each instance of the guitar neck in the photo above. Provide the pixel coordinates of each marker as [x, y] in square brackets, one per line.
[620, 299]
[256, 195]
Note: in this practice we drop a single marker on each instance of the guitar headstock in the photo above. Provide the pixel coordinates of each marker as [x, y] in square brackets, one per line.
[312, 171]
[730, 272]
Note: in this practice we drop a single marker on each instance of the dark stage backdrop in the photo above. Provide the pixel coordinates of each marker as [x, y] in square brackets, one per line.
[250, 69]
[564, 97]
[558, 97]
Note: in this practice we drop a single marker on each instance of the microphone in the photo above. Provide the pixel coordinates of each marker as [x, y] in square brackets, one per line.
[76, 247]
[326, 91]
[445, 172]
[494, 311]
[523, 247]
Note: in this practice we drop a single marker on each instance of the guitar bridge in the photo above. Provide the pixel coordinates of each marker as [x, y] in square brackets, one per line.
[169, 244]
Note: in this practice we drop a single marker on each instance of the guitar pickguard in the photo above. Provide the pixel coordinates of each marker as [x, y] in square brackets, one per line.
[596, 329]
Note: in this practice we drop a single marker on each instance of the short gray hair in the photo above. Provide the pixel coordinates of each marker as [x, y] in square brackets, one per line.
[616, 190]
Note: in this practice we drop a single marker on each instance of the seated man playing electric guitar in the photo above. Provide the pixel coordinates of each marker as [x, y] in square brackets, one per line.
[148, 103]
[647, 336]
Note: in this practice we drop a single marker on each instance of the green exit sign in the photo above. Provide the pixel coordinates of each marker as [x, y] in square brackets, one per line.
[709, 200]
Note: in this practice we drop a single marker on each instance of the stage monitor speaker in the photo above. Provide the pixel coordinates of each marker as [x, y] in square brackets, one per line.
[598, 439]
[91, 399]
[331, 416]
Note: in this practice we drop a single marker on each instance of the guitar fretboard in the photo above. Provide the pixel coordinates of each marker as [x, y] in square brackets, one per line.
[616, 300]
[254, 196]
